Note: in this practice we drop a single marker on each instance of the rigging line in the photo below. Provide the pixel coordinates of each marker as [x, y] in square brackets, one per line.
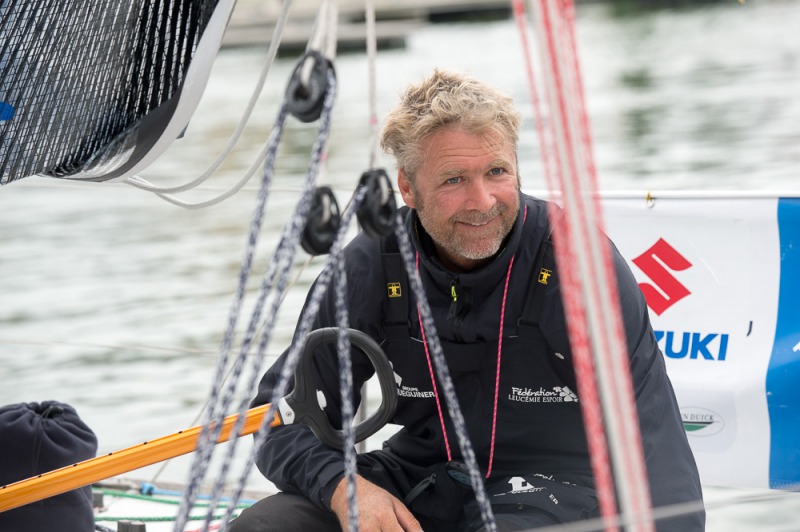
[627, 448]
[346, 389]
[333, 26]
[629, 521]
[164, 464]
[223, 196]
[595, 433]
[195, 421]
[443, 373]
[614, 370]
[372, 53]
[284, 258]
[607, 341]
[579, 303]
[524, 28]
[322, 40]
[230, 370]
[304, 325]
[284, 255]
[277, 37]
[651, 196]
[676, 510]
[279, 268]
[323, 37]
[235, 309]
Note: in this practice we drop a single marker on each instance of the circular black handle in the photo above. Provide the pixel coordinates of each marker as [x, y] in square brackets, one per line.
[303, 399]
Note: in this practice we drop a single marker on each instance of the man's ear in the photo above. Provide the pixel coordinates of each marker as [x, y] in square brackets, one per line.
[405, 187]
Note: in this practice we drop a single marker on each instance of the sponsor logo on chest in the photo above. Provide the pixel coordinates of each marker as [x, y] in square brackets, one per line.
[556, 394]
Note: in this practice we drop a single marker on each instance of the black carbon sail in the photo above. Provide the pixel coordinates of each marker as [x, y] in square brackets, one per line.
[95, 90]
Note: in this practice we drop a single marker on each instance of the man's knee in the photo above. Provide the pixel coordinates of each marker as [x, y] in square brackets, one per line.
[283, 512]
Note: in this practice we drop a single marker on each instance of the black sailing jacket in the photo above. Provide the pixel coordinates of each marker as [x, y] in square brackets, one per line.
[539, 425]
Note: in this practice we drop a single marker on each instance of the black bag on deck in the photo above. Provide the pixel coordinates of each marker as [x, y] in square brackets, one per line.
[36, 438]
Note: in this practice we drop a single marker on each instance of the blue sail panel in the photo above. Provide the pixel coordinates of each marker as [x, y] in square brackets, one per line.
[783, 376]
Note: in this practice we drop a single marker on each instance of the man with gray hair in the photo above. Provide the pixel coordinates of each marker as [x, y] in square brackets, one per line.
[484, 254]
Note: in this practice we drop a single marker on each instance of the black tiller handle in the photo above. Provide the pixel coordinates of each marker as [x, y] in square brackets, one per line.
[303, 399]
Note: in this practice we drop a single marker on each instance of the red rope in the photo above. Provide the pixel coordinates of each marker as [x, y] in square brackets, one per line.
[497, 371]
[433, 379]
[590, 307]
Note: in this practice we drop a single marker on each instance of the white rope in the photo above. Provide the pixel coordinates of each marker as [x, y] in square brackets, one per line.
[163, 192]
[372, 53]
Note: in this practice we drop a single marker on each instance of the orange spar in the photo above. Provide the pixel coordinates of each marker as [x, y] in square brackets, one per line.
[111, 464]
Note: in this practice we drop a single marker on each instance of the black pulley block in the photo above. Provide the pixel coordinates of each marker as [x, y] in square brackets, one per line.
[305, 98]
[376, 212]
[322, 223]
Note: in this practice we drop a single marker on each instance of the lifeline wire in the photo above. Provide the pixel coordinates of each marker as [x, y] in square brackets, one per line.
[590, 291]
[443, 373]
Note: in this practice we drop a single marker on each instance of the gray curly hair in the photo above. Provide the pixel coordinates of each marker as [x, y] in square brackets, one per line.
[444, 99]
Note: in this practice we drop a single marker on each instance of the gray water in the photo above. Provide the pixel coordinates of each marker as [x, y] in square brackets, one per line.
[115, 301]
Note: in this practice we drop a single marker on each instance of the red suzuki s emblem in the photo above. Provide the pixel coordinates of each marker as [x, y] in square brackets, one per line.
[656, 263]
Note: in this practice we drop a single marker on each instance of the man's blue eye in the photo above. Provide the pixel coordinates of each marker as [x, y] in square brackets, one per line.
[496, 171]
[453, 180]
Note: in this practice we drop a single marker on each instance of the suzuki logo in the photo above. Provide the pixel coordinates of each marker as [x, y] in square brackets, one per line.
[654, 263]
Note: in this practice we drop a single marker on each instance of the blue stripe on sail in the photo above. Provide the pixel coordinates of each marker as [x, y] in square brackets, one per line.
[783, 376]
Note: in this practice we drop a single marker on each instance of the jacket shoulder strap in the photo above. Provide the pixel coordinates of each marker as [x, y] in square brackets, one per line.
[542, 273]
[397, 290]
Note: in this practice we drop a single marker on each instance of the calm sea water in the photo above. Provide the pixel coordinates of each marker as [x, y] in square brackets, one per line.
[115, 301]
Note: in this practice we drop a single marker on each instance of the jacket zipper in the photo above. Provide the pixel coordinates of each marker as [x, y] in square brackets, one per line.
[453, 313]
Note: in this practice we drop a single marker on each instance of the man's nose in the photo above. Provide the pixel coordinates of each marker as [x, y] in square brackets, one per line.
[480, 195]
